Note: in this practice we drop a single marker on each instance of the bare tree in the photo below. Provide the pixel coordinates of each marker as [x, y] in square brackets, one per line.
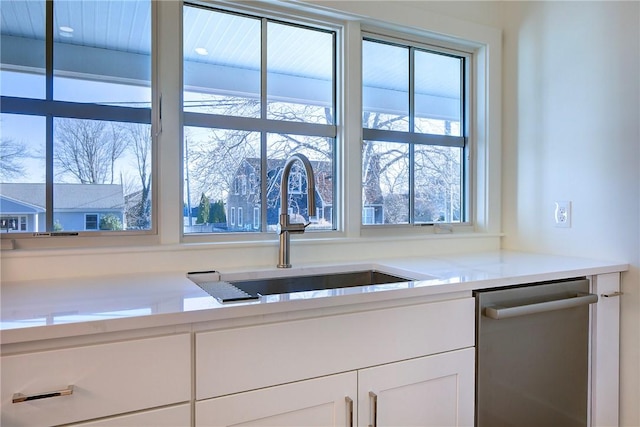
[214, 160]
[385, 169]
[88, 149]
[12, 154]
[438, 187]
[139, 141]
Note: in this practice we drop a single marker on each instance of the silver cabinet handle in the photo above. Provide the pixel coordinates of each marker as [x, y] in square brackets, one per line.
[523, 310]
[374, 408]
[613, 294]
[349, 411]
[19, 397]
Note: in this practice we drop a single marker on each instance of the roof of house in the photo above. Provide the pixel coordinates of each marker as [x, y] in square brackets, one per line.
[67, 196]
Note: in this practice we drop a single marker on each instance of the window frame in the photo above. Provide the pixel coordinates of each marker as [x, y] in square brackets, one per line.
[412, 139]
[51, 109]
[266, 126]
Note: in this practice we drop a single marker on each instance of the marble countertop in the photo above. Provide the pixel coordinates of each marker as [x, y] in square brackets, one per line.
[36, 310]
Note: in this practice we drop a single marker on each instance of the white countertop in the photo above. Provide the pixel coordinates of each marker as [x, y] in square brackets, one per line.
[36, 310]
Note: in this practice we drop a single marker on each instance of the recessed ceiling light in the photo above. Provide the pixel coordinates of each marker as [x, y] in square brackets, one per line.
[66, 31]
[202, 51]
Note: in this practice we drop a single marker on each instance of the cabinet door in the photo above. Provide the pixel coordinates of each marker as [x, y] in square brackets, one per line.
[435, 390]
[324, 401]
[174, 416]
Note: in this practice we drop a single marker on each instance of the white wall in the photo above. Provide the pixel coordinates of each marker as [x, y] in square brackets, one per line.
[571, 131]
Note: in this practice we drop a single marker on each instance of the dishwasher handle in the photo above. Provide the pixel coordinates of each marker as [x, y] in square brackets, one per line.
[499, 313]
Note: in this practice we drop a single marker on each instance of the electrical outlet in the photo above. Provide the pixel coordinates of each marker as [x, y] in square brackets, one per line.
[563, 214]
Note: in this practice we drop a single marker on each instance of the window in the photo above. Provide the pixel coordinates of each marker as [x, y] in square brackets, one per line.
[256, 218]
[91, 222]
[253, 184]
[236, 186]
[296, 180]
[368, 215]
[13, 223]
[259, 83]
[414, 112]
[256, 91]
[243, 185]
[75, 114]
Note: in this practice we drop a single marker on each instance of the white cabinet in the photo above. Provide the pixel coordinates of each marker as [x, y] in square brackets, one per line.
[433, 391]
[320, 402]
[247, 358]
[105, 379]
[417, 359]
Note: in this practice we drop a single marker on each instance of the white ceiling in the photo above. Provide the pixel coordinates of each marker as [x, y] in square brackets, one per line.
[230, 40]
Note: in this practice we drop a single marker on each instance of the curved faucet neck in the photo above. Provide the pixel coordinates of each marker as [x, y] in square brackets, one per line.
[311, 185]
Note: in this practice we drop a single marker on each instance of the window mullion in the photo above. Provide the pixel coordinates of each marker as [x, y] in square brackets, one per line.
[414, 138]
[412, 111]
[252, 124]
[263, 135]
[49, 117]
[465, 162]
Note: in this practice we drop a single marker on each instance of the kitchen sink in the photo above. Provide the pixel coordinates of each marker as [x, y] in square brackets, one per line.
[285, 285]
[240, 290]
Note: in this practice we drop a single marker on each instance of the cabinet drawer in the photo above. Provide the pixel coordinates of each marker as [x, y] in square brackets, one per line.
[235, 360]
[107, 379]
[173, 416]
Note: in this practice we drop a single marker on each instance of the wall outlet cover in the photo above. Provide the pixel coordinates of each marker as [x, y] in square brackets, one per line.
[562, 214]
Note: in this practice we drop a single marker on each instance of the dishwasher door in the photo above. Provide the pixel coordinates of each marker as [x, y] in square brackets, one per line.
[532, 345]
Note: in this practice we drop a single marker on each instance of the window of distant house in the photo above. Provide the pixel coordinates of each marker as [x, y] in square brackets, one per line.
[75, 86]
[243, 185]
[296, 180]
[368, 215]
[256, 218]
[256, 91]
[413, 154]
[13, 223]
[91, 222]
[252, 183]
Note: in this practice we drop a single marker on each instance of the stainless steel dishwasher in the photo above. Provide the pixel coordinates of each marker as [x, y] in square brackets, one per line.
[532, 348]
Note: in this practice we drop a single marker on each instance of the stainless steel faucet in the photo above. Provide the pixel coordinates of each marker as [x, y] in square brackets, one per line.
[284, 226]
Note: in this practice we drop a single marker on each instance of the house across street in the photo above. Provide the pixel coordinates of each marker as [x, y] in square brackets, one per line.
[77, 207]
